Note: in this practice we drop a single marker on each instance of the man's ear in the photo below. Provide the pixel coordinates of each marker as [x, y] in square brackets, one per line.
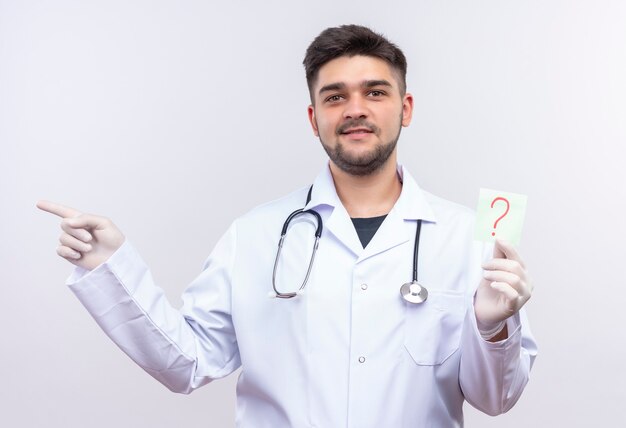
[311, 112]
[407, 109]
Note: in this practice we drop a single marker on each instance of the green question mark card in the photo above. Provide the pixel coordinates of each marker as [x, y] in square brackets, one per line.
[499, 215]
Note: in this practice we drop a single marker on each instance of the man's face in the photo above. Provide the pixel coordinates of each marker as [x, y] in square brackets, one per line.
[358, 112]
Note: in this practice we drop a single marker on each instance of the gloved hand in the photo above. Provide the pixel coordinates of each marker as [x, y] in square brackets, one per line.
[87, 240]
[504, 289]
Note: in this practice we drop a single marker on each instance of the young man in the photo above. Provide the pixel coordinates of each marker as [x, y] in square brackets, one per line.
[358, 344]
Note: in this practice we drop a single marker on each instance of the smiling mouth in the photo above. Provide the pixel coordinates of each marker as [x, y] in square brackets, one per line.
[358, 131]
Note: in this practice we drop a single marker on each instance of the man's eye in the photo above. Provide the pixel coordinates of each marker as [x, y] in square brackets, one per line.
[377, 93]
[333, 98]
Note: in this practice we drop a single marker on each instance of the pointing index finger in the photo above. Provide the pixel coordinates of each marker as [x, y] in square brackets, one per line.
[58, 209]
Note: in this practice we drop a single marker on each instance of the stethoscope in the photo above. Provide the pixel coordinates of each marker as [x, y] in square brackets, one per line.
[412, 292]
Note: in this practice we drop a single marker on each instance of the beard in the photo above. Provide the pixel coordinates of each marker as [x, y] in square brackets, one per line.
[364, 164]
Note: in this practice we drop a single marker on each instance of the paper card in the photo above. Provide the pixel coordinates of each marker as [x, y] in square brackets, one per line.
[500, 215]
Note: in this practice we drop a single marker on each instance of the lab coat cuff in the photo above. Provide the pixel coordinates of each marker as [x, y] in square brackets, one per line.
[489, 371]
[116, 259]
[514, 329]
[106, 285]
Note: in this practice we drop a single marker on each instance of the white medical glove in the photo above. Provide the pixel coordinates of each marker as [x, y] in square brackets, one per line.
[87, 240]
[504, 289]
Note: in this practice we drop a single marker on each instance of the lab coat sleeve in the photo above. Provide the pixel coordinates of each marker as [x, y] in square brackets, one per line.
[182, 349]
[493, 374]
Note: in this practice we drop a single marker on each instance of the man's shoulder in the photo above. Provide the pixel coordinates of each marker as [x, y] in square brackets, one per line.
[456, 223]
[278, 208]
[446, 210]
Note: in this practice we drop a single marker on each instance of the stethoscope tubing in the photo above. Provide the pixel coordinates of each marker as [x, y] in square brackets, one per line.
[416, 249]
[318, 234]
[411, 292]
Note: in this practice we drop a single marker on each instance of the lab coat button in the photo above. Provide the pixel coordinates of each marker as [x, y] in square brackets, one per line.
[361, 359]
[363, 286]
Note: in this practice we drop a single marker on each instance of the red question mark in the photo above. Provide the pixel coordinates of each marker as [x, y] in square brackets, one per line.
[499, 198]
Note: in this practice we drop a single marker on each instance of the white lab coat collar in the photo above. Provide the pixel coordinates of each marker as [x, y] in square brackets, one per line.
[411, 205]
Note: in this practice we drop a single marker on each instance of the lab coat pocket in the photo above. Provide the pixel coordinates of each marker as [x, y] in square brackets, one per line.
[433, 328]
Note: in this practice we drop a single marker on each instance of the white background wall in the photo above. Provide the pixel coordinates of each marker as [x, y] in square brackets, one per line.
[174, 117]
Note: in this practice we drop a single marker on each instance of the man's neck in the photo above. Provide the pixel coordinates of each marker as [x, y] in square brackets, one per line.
[371, 195]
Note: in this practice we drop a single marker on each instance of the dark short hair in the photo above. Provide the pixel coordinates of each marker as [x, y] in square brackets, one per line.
[351, 40]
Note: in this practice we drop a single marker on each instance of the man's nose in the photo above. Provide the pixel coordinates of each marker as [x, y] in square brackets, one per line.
[355, 108]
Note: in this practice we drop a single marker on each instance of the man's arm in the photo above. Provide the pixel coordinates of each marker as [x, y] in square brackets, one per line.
[182, 351]
[495, 367]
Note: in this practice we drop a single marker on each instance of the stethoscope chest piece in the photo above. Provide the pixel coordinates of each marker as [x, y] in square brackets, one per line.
[413, 292]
